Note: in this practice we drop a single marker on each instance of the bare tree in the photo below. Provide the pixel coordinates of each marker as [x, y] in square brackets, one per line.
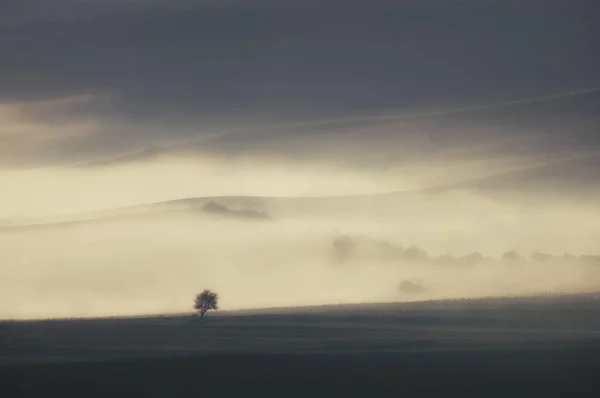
[205, 301]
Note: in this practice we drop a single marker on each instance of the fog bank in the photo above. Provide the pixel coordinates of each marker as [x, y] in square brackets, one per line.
[157, 260]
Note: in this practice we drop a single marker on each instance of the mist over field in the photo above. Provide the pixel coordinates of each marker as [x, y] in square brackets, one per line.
[290, 251]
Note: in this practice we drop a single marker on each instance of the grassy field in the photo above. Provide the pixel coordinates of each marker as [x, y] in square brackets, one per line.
[516, 346]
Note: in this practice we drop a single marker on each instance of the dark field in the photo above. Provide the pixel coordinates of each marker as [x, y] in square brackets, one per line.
[545, 346]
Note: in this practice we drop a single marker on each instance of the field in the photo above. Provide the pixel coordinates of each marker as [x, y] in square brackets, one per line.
[517, 346]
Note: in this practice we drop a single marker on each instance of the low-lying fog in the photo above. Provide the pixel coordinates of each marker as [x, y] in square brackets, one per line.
[305, 252]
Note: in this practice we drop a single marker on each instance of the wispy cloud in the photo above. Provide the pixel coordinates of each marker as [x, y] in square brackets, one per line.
[24, 140]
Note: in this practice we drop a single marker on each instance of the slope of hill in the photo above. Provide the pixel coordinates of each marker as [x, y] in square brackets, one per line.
[574, 180]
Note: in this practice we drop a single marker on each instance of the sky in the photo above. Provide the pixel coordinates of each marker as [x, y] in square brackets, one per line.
[114, 103]
[88, 80]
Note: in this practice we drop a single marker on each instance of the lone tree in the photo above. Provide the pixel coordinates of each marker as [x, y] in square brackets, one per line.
[206, 301]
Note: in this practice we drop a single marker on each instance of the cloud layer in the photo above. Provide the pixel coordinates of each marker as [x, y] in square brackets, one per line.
[153, 72]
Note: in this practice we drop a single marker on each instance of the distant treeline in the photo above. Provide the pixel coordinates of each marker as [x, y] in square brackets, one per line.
[347, 247]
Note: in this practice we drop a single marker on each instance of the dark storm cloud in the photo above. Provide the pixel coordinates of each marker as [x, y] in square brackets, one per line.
[188, 64]
[177, 55]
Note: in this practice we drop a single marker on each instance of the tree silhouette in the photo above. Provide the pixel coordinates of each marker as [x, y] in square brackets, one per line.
[205, 301]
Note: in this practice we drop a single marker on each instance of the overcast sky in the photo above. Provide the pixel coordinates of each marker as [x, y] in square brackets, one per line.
[86, 79]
